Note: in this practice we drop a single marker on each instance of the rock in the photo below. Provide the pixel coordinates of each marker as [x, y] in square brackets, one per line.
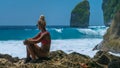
[110, 7]
[101, 58]
[4, 63]
[8, 57]
[111, 40]
[114, 64]
[57, 54]
[105, 59]
[74, 59]
[80, 15]
[58, 59]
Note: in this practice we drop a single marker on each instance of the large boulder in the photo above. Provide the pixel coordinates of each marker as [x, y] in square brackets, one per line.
[106, 59]
[80, 15]
[110, 7]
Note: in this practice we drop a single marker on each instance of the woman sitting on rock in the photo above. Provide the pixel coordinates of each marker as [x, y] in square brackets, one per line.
[33, 50]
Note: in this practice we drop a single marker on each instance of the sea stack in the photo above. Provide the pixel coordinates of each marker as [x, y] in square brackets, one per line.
[110, 7]
[80, 15]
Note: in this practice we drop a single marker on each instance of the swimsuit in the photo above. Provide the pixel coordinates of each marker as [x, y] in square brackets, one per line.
[43, 41]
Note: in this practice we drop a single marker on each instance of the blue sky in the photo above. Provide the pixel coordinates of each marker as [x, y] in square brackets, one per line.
[57, 12]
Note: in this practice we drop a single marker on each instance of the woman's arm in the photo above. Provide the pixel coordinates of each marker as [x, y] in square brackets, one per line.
[36, 36]
[38, 39]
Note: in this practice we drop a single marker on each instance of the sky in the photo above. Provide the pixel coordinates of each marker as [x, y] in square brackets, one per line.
[56, 12]
[96, 13]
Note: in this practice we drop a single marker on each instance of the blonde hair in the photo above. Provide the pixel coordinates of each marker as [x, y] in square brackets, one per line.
[42, 21]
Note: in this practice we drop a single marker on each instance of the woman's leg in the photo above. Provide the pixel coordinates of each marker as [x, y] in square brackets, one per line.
[40, 52]
[37, 50]
[30, 51]
[28, 54]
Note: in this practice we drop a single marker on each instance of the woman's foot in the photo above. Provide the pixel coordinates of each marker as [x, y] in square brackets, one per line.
[27, 60]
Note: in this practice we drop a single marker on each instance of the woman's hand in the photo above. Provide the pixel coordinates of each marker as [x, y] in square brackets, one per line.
[26, 42]
[30, 39]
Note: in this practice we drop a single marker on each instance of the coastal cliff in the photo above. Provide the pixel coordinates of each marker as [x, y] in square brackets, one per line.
[111, 40]
[80, 15]
[110, 7]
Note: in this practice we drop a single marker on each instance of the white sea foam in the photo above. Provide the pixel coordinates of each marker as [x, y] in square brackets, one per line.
[83, 46]
[117, 54]
[97, 27]
[88, 31]
[59, 30]
[100, 32]
[14, 48]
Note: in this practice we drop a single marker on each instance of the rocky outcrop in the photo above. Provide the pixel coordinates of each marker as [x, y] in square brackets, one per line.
[111, 40]
[58, 59]
[80, 15]
[114, 64]
[107, 60]
[110, 7]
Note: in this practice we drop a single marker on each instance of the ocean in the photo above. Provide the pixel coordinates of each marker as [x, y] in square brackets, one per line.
[81, 40]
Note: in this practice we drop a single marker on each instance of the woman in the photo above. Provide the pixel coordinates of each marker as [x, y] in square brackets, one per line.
[33, 50]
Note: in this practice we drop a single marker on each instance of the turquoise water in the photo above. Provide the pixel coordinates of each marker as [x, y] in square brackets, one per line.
[24, 32]
[81, 40]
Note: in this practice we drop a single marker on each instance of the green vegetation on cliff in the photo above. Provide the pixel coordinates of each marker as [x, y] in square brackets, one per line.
[80, 15]
[110, 7]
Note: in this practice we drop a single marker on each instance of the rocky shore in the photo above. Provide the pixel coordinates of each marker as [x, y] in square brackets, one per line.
[59, 59]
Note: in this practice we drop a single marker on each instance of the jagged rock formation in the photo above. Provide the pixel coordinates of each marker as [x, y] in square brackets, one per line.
[58, 59]
[111, 40]
[107, 60]
[80, 15]
[110, 7]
